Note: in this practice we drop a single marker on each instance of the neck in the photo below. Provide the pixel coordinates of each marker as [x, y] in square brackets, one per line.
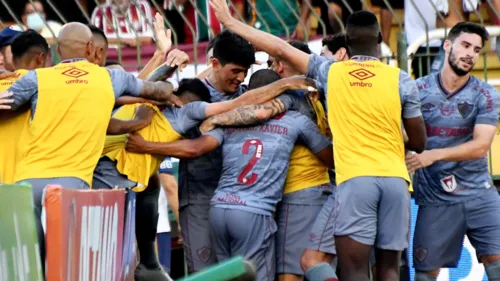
[214, 81]
[363, 51]
[450, 80]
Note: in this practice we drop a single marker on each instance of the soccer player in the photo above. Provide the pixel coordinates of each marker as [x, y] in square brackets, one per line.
[307, 185]
[29, 52]
[369, 98]
[244, 184]
[334, 47]
[7, 34]
[70, 108]
[453, 187]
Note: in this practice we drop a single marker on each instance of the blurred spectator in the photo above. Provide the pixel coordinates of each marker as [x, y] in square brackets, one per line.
[2, 66]
[386, 16]
[415, 27]
[454, 11]
[330, 14]
[126, 19]
[34, 17]
[7, 35]
[285, 11]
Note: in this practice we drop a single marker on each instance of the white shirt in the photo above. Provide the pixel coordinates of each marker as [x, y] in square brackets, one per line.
[415, 24]
[163, 220]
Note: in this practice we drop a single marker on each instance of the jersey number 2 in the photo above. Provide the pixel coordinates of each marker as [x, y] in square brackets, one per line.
[259, 149]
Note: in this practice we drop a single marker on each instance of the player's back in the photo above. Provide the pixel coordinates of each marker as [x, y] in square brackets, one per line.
[255, 162]
[450, 119]
[365, 108]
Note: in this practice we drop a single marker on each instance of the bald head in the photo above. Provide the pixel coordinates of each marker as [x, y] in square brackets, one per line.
[75, 41]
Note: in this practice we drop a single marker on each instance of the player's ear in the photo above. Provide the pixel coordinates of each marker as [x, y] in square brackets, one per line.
[447, 45]
[216, 65]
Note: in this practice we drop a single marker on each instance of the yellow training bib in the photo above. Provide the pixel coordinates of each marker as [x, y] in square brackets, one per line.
[365, 118]
[139, 167]
[67, 133]
[305, 169]
[12, 127]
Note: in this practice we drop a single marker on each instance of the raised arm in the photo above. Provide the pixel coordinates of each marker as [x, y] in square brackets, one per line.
[178, 149]
[261, 95]
[20, 93]
[266, 42]
[143, 116]
[412, 117]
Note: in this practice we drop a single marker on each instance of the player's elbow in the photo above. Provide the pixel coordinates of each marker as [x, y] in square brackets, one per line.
[482, 150]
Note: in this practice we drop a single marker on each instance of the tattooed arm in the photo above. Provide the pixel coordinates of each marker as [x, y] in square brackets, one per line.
[160, 91]
[246, 115]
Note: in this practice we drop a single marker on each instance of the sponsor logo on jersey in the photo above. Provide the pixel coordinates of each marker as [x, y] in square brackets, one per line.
[361, 74]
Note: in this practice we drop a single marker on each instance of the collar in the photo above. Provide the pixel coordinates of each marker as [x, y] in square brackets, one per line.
[363, 58]
[73, 60]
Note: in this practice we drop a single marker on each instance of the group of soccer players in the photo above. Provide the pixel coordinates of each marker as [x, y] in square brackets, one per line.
[255, 176]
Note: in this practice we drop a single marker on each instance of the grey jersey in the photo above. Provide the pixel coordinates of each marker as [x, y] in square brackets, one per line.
[198, 178]
[450, 119]
[25, 90]
[255, 161]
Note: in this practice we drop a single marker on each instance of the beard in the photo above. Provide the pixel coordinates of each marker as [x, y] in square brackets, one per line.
[453, 61]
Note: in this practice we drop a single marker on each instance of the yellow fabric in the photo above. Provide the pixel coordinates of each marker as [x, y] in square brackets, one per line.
[305, 169]
[139, 167]
[66, 136]
[365, 118]
[12, 127]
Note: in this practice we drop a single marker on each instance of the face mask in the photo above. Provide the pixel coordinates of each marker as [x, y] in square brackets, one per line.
[35, 22]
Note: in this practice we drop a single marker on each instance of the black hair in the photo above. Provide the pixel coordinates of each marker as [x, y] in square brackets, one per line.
[111, 62]
[262, 78]
[468, 27]
[362, 28]
[96, 31]
[301, 46]
[211, 43]
[334, 42]
[27, 41]
[34, 1]
[194, 86]
[232, 48]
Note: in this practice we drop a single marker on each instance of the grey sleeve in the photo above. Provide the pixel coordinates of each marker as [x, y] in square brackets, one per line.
[317, 69]
[218, 134]
[125, 83]
[289, 100]
[191, 115]
[24, 90]
[488, 108]
[408, 93]
[310, 135]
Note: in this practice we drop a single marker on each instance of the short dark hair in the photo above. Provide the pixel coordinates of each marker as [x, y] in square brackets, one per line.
[111, 62]
[468, 27]
[96, 31]
[211, 43]
[301, 46]
[194, 86]
[27, 41]
[362, 29]
[334, 42]
[232, 48]
[262, 78]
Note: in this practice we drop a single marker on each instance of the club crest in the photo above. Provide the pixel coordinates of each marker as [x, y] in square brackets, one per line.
[465, 108]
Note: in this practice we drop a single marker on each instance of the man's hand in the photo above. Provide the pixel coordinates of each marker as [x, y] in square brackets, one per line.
[300, 83]
[416, 161]
[221, 11]
[136, 144]
[179, 233]
[144, 114]
[207, 126]
[163, 39]
[5, 101]
[7, 75]
[177, 58]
